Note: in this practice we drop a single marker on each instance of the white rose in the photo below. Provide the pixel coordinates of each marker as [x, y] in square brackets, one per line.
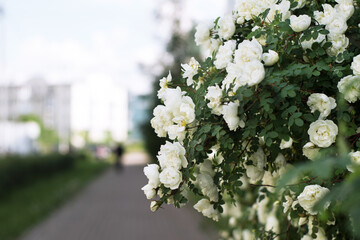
[172, 155]
[325, 17]
[207, 186]
[308, 44]
[310, 150]
[206, 167]
[288, 203]
[253, 73]
[185, 114]
[339, 44]
[190, 70]
[248, 51]
[154, 206]
[172, 99]
[163, 86]
[337, 25]
[280, 160]
[224, 55]
[248, 235]
[286, 144]
[151, 171]
[206, 208]
[350, 87]
[355, 161]
[245, 9]
[270, 58]
[171, 178]
[149, 191]
[214, 95]
[345, 8]
[226, 27]
[234, 74]
[214, 45]
[256, 171]
[322, 103]
[177, 132]
[161, 121]
[230, 112]
[282, 8]
[310, 196]
[202, 35]
[300, 23]
[272, 224]
[355, 65]
[323, 133]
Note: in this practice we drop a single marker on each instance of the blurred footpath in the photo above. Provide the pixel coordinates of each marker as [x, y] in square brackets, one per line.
[114, 207]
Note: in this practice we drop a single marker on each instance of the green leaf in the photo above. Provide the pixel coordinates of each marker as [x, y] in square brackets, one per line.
[299, 122]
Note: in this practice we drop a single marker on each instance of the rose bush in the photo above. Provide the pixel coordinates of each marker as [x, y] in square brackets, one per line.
[265, 132]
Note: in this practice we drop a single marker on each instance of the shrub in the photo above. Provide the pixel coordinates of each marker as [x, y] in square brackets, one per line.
[18, 170]
[266, 130]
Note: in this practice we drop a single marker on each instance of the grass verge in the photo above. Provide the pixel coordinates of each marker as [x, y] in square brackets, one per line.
[26, 206]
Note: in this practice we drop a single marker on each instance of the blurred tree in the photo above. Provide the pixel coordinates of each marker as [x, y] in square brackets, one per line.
[48, 138]
[180, 47]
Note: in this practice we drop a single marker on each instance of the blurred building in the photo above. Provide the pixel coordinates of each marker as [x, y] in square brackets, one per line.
[99, 112]
[95, 111]
[51, 103]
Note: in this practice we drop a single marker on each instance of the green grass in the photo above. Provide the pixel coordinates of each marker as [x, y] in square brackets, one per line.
[26, 206]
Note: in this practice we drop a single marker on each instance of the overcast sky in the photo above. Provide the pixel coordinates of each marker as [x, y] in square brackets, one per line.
[77, 40]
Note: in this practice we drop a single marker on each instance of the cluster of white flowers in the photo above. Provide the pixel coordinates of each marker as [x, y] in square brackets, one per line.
[177, 112]
[322, 132]
[172, 159]
[240, 62]
[334, 19]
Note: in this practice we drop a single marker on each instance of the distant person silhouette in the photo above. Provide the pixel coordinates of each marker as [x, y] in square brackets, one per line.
[118, 151]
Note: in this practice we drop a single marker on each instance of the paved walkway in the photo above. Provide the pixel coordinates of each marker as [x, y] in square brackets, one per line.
[114, 207]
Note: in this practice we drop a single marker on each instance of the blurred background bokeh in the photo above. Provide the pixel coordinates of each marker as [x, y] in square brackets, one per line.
[78, 78]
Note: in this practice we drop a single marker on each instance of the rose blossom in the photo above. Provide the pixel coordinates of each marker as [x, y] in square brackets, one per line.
[322, 103]
[171, 178]
[190, 70]
[226, 27]
[310, 196]
[256, 171]
[323, 133]
[172, 155]
[206, 208]
[350, 87]
[355, 161]
[149, 191]
[214, 95]
[300, 23]
[224, 55]
[230, 112]
[310, 150]
[270, 58]
[355, 65]
[151, 171]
